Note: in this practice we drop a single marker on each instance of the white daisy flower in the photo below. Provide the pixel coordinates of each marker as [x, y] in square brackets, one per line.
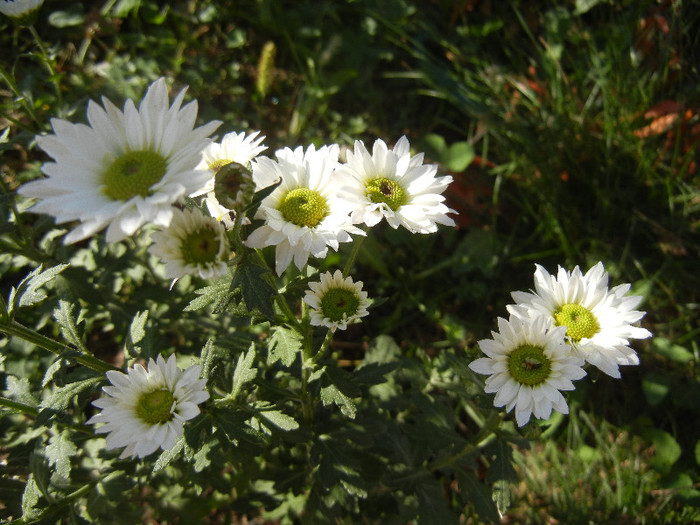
[19, 8]
[528, 364]
[335, 301]
[194, 243]
[304, 215]
[394, 185]
[123, 170]
[599, 320]
[145, 409]
[230, 184]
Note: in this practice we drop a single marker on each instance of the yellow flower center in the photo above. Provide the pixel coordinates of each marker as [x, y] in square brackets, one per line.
[133, 173]
[201, 246]
[528, 365]
[304, 207]
[154, 407]
[387, 191]
[579, 321]
[339, 302]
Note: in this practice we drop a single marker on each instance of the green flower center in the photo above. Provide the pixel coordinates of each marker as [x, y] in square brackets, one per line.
[387, 191]
[528, 365]
[154, 407]
[304, 207]
[339, 302]
[579, 321]
[133, 174]
[201, 246]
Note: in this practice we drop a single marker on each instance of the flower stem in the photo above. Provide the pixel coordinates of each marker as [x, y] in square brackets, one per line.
[33, 412]
[13, 328]
[21, 98]
[49, 64]
[353, 255]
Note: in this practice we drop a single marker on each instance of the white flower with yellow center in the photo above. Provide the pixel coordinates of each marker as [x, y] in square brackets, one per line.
[19, 8]
[394, 185]
[599, 320]
[193, 244]
[123, 170]
[230, 184]
[146, 409]
[528, 364]
[335, 301]
[304, 215]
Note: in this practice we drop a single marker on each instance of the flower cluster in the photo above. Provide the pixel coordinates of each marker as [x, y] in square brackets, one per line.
[567, 321]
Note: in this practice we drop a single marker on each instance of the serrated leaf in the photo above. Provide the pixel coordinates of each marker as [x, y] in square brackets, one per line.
[432, 506]
[330, 394]
[201, 457]
[502, 465]
[257, 291]
[245, 372]
[58, 453]
[279, 419]
[233, 423]
[285, 345]
[474, 492]
[169, 455]
[258, 197]
[28, 291]
[501, 494]
[217, 293]
[208, 359]
[61, 398]
[20, 390]
[68, 324]
[137, 331]
[30, 499]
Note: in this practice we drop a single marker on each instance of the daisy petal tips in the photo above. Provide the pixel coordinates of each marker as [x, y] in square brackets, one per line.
[599, 321]
[335, 301]
[145, 409]
[126, 168]
[528, 364]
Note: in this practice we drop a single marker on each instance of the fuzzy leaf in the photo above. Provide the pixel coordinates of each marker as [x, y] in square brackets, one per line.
[285, 345]
[61, 398]
[474, 492]
[218, 293]
[245, 372]
[432, 506]
[137, 331]
[20, 390]
[502, 466]
[331, 394]
[68, 324]
[30, 499]
[28, 291]
[168, 455]
[279, 419]
[257, 291]
[59, 451]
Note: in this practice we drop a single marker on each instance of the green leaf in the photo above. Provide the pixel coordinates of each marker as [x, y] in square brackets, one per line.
[257, 291]
[432, 505]
[58, 453]
[69, 326]
[233, 423]
[61, 398]
[28, 291]
[697, 452]
[218, 293]
[278, 418]
[208, 359]
[137, 331]
[244, 372]
[258, 197]
[474, 492]
[169, 455]
[330, 394]
[656, 387]
[434, 146]
[672, 351]
[501, 494]
[666, 450]
[502, 465]
[20, 390]
[285, 345]
[30, 499]
[201, 457]
[459, 156]
[72, 16]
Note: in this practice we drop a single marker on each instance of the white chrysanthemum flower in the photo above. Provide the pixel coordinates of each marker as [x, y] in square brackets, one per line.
[194, 243]
[229, 188]
[335, 301]
[145, 409]
[394, 185]
[599, 321]
[19, 8]
[123, 170]
[304, 215]
[528, 364]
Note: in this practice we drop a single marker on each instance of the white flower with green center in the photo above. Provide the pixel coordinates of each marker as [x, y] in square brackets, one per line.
[145, 409]
[123, 170]
[394, 185]
[304, 215]
[20, 9]
[335, 301]
[599, 320]
[230, 184]
[193, 244]
[528, 364]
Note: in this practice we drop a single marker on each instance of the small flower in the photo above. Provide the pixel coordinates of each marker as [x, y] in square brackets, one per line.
[193, 244]
[145, 409]
[123, 170]
[335, 301]
[394, 185]
[304, 215]
[20, 10]
[230, 185]
[599, 321]
[528, 364]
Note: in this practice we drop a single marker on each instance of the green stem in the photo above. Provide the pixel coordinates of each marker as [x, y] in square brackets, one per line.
[49, 64]
[13, 328]
[353, 255]
[21, 98]
[324, 346]
[33, 412]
